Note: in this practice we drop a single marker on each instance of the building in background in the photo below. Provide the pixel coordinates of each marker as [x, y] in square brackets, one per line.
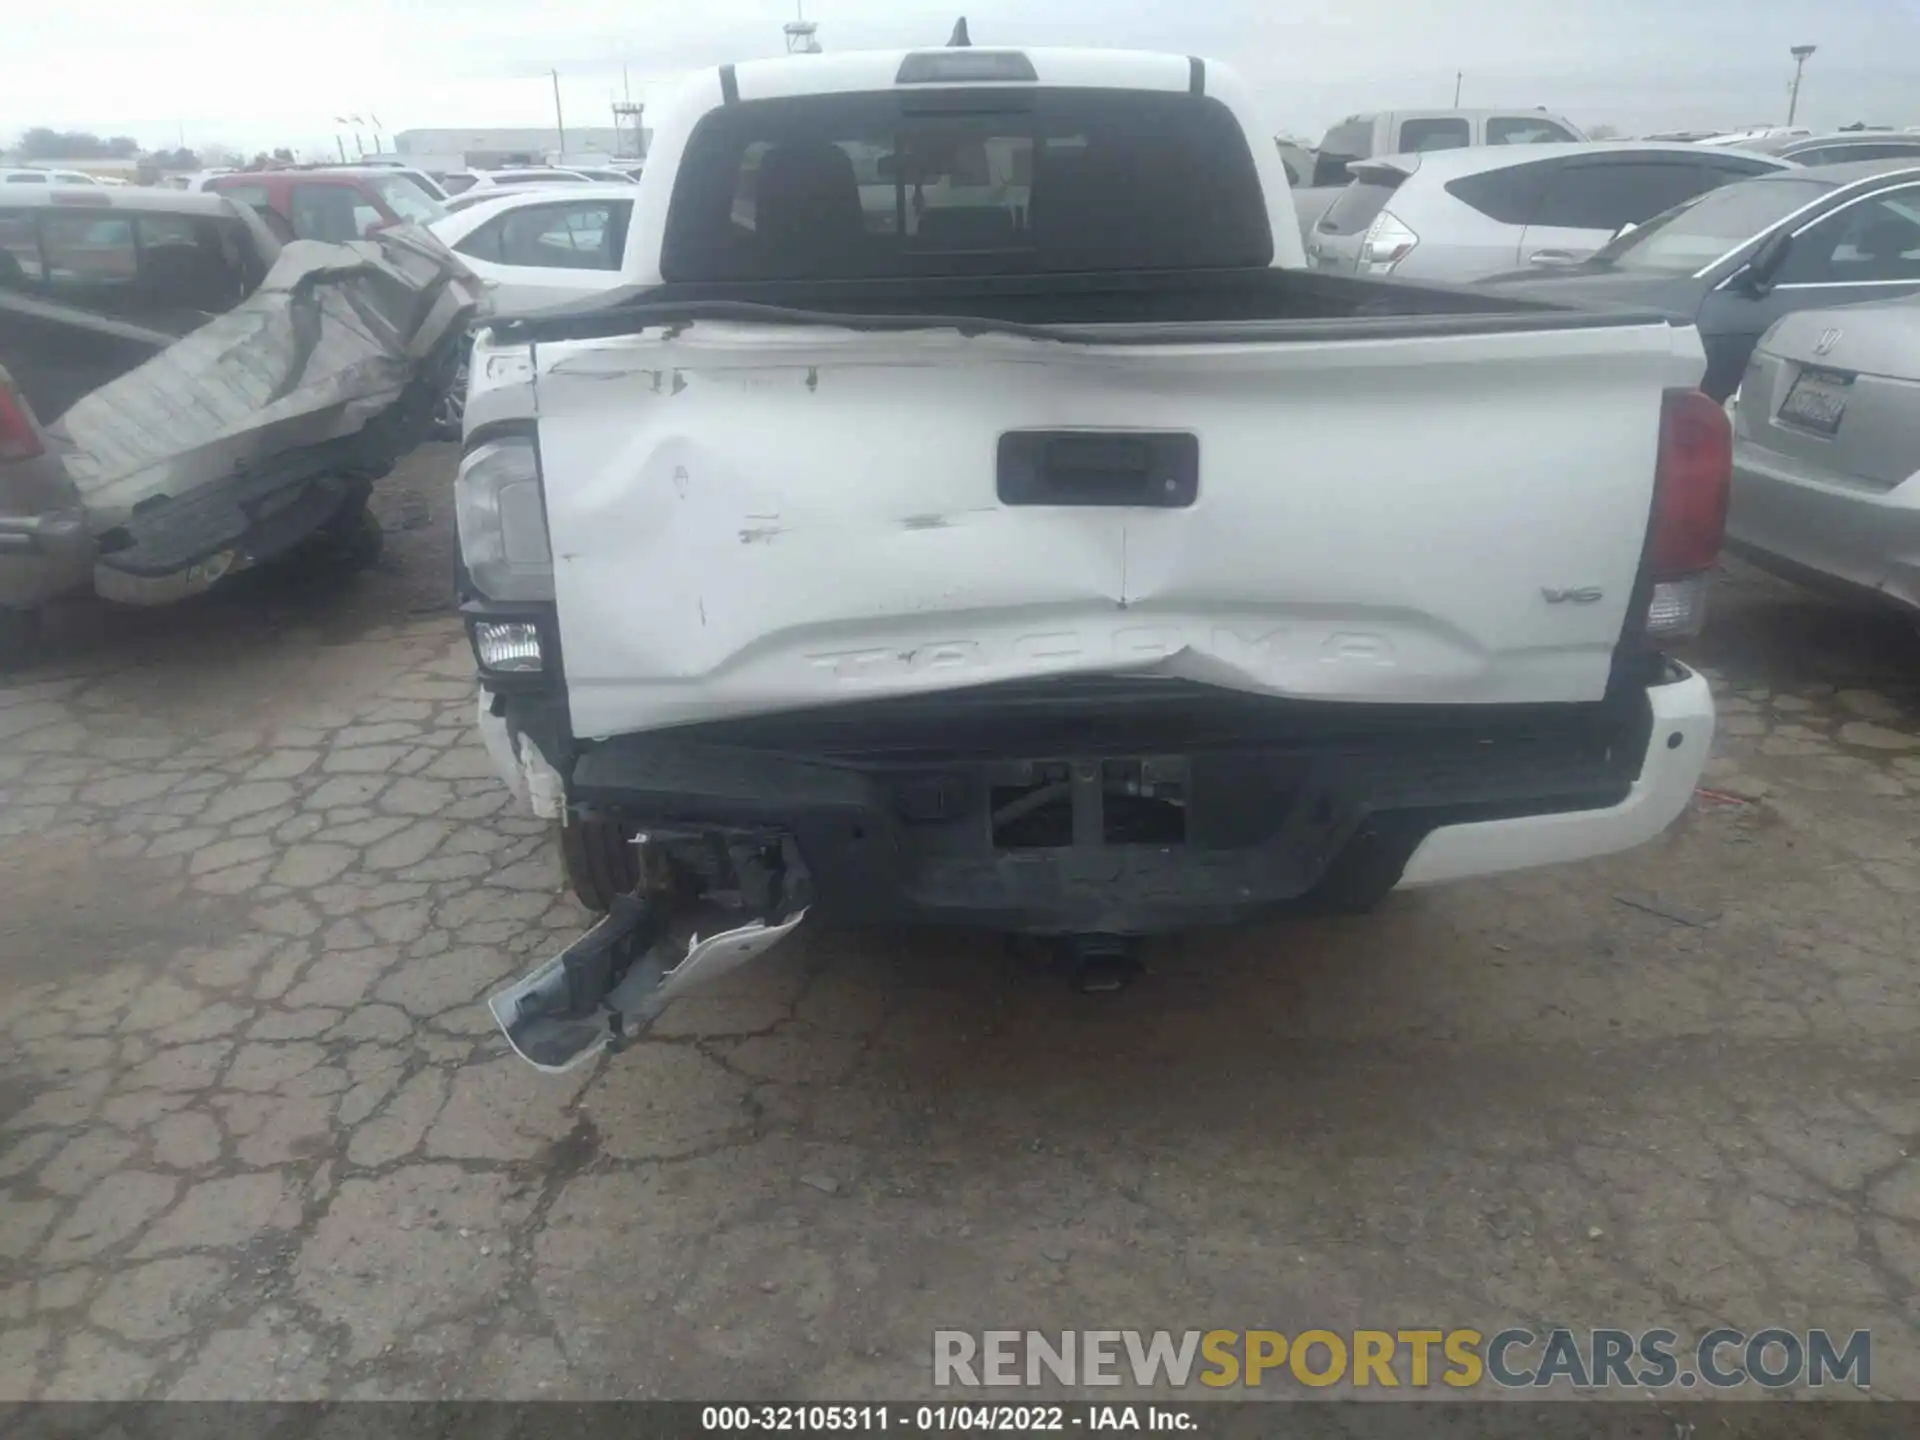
[484, 149]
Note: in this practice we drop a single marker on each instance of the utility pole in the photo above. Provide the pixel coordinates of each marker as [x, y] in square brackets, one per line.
[1458, 76]
[626, 116]
[559, 123]
[1800, 54]
[803, 35]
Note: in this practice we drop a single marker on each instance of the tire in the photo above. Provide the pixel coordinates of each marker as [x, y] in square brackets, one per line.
[351, 541]
[450, 410]
[600, 861]
[362, 541]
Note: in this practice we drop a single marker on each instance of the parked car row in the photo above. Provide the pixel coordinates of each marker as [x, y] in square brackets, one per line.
[346, 202]
[1607, 194]
[335, 204]
[1721, 238]
[1806, 148]
[1459, 215]
[36, 175]
[460, 182]
[1737, 259]
[1415, 132]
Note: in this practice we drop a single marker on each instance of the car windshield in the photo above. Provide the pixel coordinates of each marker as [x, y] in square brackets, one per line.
[406, 199]
[1690, 236]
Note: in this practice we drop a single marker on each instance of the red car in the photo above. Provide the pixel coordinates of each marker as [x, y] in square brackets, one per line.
[343, 204]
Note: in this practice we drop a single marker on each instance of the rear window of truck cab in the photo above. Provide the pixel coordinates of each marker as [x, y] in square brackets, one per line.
[964, 182]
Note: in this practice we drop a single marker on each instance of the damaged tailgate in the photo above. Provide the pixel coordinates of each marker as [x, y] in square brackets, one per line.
[790, 516]
[249, 433]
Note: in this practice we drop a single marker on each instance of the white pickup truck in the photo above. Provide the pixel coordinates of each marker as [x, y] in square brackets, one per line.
[967, 513]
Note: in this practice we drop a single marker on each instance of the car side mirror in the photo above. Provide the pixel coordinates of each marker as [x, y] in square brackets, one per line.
[1626, 229]
[1765, 263]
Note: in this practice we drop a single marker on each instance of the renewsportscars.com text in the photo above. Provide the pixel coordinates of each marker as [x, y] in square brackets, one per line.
[1514, 1358]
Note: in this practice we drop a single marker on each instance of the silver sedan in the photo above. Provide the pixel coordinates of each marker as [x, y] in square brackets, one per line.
[1826, 482]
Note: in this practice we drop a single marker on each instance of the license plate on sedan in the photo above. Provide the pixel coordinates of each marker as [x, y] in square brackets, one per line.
[1817, 401]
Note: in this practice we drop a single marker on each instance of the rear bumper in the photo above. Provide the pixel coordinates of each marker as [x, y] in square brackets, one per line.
[1132, 807]
[1802, 518]
[183, 547]
[1677, 743]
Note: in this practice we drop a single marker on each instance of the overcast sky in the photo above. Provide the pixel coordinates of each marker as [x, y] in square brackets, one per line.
[255, 74]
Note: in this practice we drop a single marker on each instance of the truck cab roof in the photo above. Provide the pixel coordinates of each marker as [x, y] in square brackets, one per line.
[882, 69]
[868, 80]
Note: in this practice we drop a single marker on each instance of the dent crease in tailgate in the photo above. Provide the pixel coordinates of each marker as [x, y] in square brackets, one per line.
[1382, 520]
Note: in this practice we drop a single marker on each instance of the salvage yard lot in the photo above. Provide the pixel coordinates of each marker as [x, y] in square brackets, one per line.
[258, 1138]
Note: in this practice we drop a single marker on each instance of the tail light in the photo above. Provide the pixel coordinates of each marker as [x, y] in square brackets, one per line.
[1387, 242]
[1693, 478]
[18, 439]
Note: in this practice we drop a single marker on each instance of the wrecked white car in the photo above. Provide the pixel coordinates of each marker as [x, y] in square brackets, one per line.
[972, 514]
[213, 399]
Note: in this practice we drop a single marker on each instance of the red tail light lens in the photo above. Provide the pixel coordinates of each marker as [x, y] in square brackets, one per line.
[1693, 479]
[18, 439]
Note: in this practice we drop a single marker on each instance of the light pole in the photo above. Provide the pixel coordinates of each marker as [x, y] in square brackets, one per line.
[559, 124]
[1800, 54]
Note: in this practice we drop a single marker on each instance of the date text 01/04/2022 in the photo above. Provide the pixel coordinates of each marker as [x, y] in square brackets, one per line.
[927, 1419]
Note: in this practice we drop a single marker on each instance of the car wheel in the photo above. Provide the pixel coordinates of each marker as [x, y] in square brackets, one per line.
[600, 861]
[450, 413]
[351, 541]
[362, 543]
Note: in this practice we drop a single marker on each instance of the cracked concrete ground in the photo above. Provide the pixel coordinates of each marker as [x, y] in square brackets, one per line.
[257, 1138]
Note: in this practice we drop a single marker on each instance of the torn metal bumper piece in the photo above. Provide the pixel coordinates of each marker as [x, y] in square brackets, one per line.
[169, 552]
[256, 430]
[614, 981]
